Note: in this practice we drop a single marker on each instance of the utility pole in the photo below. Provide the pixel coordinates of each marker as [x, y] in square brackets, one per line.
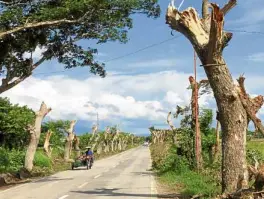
[197, 130]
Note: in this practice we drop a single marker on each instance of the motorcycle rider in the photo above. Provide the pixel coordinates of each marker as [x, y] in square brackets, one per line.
[89, 152]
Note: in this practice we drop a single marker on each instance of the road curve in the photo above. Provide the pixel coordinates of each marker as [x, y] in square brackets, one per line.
[125, 175]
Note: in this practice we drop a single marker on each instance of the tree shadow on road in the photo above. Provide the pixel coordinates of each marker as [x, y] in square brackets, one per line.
[112, 193]
[50, 179]
[143, 173]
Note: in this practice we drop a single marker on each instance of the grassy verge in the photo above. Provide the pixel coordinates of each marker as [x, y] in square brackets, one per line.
[190, 183]
[174, 172]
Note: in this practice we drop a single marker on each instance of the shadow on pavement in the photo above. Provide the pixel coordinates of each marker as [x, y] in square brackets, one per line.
[50, 179]
[143, 173]
[112, 193]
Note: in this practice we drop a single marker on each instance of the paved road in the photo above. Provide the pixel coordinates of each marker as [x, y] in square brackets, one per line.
[124, 175]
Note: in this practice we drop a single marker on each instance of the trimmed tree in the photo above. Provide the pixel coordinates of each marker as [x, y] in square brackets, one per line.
[208, 38]
[35, 131]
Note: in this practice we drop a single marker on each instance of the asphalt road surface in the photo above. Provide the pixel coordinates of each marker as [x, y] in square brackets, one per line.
[125, 175]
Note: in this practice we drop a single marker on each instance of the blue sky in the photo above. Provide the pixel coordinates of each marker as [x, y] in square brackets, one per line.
[140, 89]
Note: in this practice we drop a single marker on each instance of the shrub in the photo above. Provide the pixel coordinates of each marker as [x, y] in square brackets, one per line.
[4, 160]
[174, 162]
[41, 160]
[16, 159]
[11, 160]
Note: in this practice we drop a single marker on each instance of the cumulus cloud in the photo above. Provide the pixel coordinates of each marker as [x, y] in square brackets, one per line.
[148, 96]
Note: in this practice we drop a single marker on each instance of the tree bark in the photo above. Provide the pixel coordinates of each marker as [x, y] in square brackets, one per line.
[34, 136]
[251, 105]
[196, 125]
[174, 130]
[69, 140]
[94, 130]
[76, 145]
[47, 148]
[232, 115]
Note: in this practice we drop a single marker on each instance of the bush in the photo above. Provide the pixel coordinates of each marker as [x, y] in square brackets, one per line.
[11, 161]
[174, 162]
[41, 160]
[4, 160]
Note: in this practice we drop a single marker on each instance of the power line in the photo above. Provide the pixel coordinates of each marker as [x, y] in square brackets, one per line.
[244, 31]
[125, 55]
[139, 50]
[151, 46]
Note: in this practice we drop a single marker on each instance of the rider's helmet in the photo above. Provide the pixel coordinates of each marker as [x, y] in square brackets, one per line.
[88, 147]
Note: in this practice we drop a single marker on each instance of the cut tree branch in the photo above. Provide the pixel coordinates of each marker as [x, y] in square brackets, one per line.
[252, 106]
[170, 122]
[231, 4]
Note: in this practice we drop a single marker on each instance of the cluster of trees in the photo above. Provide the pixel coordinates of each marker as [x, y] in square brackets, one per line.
[57, 27]
[22, 129]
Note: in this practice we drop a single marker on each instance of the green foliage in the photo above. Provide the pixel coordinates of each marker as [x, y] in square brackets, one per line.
[58, 128]
[64, 24]
[175, 170]
[255, 150]
[41, 160]
[11, 160]
[4, 160]
[192, 183]
[174, 162]
[14, 121]
[85, 140]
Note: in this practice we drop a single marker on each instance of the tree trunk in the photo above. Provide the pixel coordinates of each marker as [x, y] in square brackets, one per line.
[174, 130]
[69, 140]
[196, 125]
[34, 136]
[209, 43]
[47, 147]
[76, 145]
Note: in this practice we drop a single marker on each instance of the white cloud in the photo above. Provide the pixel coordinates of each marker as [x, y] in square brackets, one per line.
[257, 57]
[36, 55]
[147, 96]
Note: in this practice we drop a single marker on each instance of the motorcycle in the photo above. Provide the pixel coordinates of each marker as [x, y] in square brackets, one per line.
[83, 161]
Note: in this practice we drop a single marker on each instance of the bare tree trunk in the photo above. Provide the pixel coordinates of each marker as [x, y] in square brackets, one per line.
[47, 147]
[76, 145]
[69, 140]
[34, 136]
[209, 44]
[174, 130]
[196, 125]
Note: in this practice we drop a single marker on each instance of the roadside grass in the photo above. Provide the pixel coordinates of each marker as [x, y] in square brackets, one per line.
[174, 172]
[181, 180]
[256, 145]
[190, 183]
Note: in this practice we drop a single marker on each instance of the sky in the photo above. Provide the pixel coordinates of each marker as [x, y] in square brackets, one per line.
[139, 90]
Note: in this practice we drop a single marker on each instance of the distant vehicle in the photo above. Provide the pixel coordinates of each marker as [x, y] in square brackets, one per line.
[83, 161]
[146, 144]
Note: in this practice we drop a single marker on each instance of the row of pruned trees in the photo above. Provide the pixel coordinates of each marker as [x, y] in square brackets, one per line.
[21, 128]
